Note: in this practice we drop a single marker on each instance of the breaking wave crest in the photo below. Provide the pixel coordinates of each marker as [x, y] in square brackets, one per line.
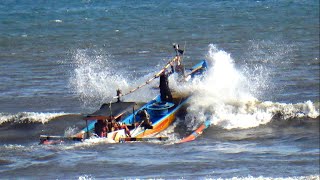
[28, 117]
[226, 96]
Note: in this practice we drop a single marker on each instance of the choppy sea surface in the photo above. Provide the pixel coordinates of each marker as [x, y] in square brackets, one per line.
[60, 60]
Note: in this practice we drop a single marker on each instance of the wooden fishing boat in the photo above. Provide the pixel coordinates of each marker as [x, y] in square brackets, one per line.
[124, 121]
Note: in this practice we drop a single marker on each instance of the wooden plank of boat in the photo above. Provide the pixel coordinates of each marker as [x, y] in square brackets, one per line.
[46, 137]
[197, 132]
[130, 139]
[47, 140]
[196, 69]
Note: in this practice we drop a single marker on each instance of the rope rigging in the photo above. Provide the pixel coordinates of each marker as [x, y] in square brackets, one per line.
[119, 94]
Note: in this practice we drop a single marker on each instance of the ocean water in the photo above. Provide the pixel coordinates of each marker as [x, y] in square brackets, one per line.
[60, 60]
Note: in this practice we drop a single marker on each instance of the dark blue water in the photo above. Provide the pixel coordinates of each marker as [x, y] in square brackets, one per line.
[67, 58]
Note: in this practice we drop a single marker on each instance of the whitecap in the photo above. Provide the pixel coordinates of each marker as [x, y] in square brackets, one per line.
[57, 21]
[23, 117]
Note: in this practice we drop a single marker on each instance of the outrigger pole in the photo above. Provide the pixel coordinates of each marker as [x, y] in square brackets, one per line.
[45, 137]
[176, 58]
[151, 79]
[128, 139]
[88, 134]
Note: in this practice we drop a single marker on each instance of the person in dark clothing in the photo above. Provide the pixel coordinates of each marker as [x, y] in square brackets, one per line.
[100, 128]
[145, 119]
[165, 92]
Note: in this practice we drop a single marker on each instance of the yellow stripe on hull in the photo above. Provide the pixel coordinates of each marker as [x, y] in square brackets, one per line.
[164, 124]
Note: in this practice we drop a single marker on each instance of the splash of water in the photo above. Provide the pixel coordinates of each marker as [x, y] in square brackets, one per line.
[86, 177]
[96, 78]
[226, 97]
[28, 117]
[70, 131]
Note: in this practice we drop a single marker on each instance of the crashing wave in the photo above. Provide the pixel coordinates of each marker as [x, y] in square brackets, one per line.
[227, 97]
[28, 117]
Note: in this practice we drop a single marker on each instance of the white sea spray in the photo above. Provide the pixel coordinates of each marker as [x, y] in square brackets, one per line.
[227, 97]
[93, 78]
[86, 177]
[96, 77]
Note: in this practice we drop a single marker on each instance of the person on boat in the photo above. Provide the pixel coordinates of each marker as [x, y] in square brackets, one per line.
[114, 126]
[119, 94]
[177, 49]
[125, 127]
[165, 93]
[145, 119]
[179, 68]
[101, 128]
[118, 126]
